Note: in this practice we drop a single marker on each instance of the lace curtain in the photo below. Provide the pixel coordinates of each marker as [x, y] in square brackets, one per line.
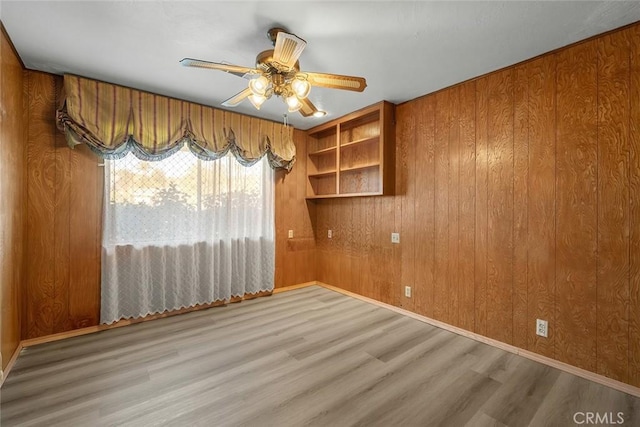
[182, 231]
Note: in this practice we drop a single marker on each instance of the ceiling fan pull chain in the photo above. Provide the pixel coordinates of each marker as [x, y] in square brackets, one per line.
[285, 120]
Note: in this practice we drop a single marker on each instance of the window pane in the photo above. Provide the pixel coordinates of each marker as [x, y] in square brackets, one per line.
[183, 200]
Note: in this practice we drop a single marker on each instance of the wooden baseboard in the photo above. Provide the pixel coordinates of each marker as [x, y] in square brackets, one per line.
[591, 376]
[294, 287]
[12, 361]
[97, 328]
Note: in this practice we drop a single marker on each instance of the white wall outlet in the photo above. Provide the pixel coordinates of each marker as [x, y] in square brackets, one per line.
[407, 291]
[291, 234]
[395, 237]
[542, 328]
[330, 234]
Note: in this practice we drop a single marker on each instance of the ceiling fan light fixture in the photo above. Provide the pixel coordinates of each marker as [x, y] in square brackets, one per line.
[257, 100]
[277, 72]
[300, 87]
[293, 103]
[259, 85]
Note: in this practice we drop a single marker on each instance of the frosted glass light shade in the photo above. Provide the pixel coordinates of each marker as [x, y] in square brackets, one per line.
[259, 86]
[257, 100]
[293, 103]
[301, 88]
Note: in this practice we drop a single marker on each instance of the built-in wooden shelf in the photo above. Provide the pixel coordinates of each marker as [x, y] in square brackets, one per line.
[359, 167]
[322, 174]
[360, 142]
[353, 155]
[324, 151]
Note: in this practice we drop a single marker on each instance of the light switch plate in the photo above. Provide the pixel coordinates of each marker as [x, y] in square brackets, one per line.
[395, 237]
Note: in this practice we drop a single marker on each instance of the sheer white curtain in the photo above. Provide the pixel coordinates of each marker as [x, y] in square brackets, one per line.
[182, 231]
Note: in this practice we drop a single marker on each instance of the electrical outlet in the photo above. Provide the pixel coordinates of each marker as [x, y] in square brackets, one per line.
[407, 291]
[395, 237]
[291, 234]
[330, 234]
[542, 328]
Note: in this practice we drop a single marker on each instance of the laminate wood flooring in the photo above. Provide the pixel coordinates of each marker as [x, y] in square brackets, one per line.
[305, 357]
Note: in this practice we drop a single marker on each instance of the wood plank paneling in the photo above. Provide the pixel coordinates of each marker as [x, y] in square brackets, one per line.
[520, 198]
[482, 169]
[12, 198]
[441, 157]
[541, 202]
[576, 204]
[402, 177]
[346, 233]
[423, 292]
[368, 226]
[295, 258]
[44, 305]
[500, 207]
[85, 239]
[357, 245]
[613, 206]
[61, 219]
[634, 202]
[453, 184]
[466, 206]
[389, 260]
[305, 264]
[279, 229]
[405, 192]
[63, 223]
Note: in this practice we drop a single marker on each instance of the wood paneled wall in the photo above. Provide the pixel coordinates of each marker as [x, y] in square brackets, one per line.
[517, 199]
[12, 200]
[64, 214]
[295, 257]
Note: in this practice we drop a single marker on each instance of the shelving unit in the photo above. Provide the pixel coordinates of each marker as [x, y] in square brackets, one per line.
[353, 155]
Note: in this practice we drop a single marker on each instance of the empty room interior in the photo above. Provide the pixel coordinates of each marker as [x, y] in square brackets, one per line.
[323, 213]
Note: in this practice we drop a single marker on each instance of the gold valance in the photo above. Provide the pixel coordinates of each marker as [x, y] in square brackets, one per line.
[114, 120]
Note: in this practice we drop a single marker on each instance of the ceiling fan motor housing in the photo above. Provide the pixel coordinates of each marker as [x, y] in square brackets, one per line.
[272, 34]
[265, 62]
[279, 76]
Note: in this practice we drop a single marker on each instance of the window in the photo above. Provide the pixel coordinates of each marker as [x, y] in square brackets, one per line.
[183, 199]
[183, 231]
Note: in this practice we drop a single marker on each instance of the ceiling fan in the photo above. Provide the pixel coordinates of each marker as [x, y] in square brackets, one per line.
[277, 72]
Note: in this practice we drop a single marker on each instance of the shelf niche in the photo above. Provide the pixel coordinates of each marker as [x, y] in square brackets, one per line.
[353, 155]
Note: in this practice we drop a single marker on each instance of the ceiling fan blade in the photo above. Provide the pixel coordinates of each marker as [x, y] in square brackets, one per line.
[307, 108]
[336, 81]
[288, 49]
[237, 98]
[229, 68]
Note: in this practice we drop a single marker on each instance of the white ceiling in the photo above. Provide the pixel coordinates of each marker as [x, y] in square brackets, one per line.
[404, 49]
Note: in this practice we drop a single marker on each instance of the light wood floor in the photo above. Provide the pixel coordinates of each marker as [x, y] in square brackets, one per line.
[305, 357]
